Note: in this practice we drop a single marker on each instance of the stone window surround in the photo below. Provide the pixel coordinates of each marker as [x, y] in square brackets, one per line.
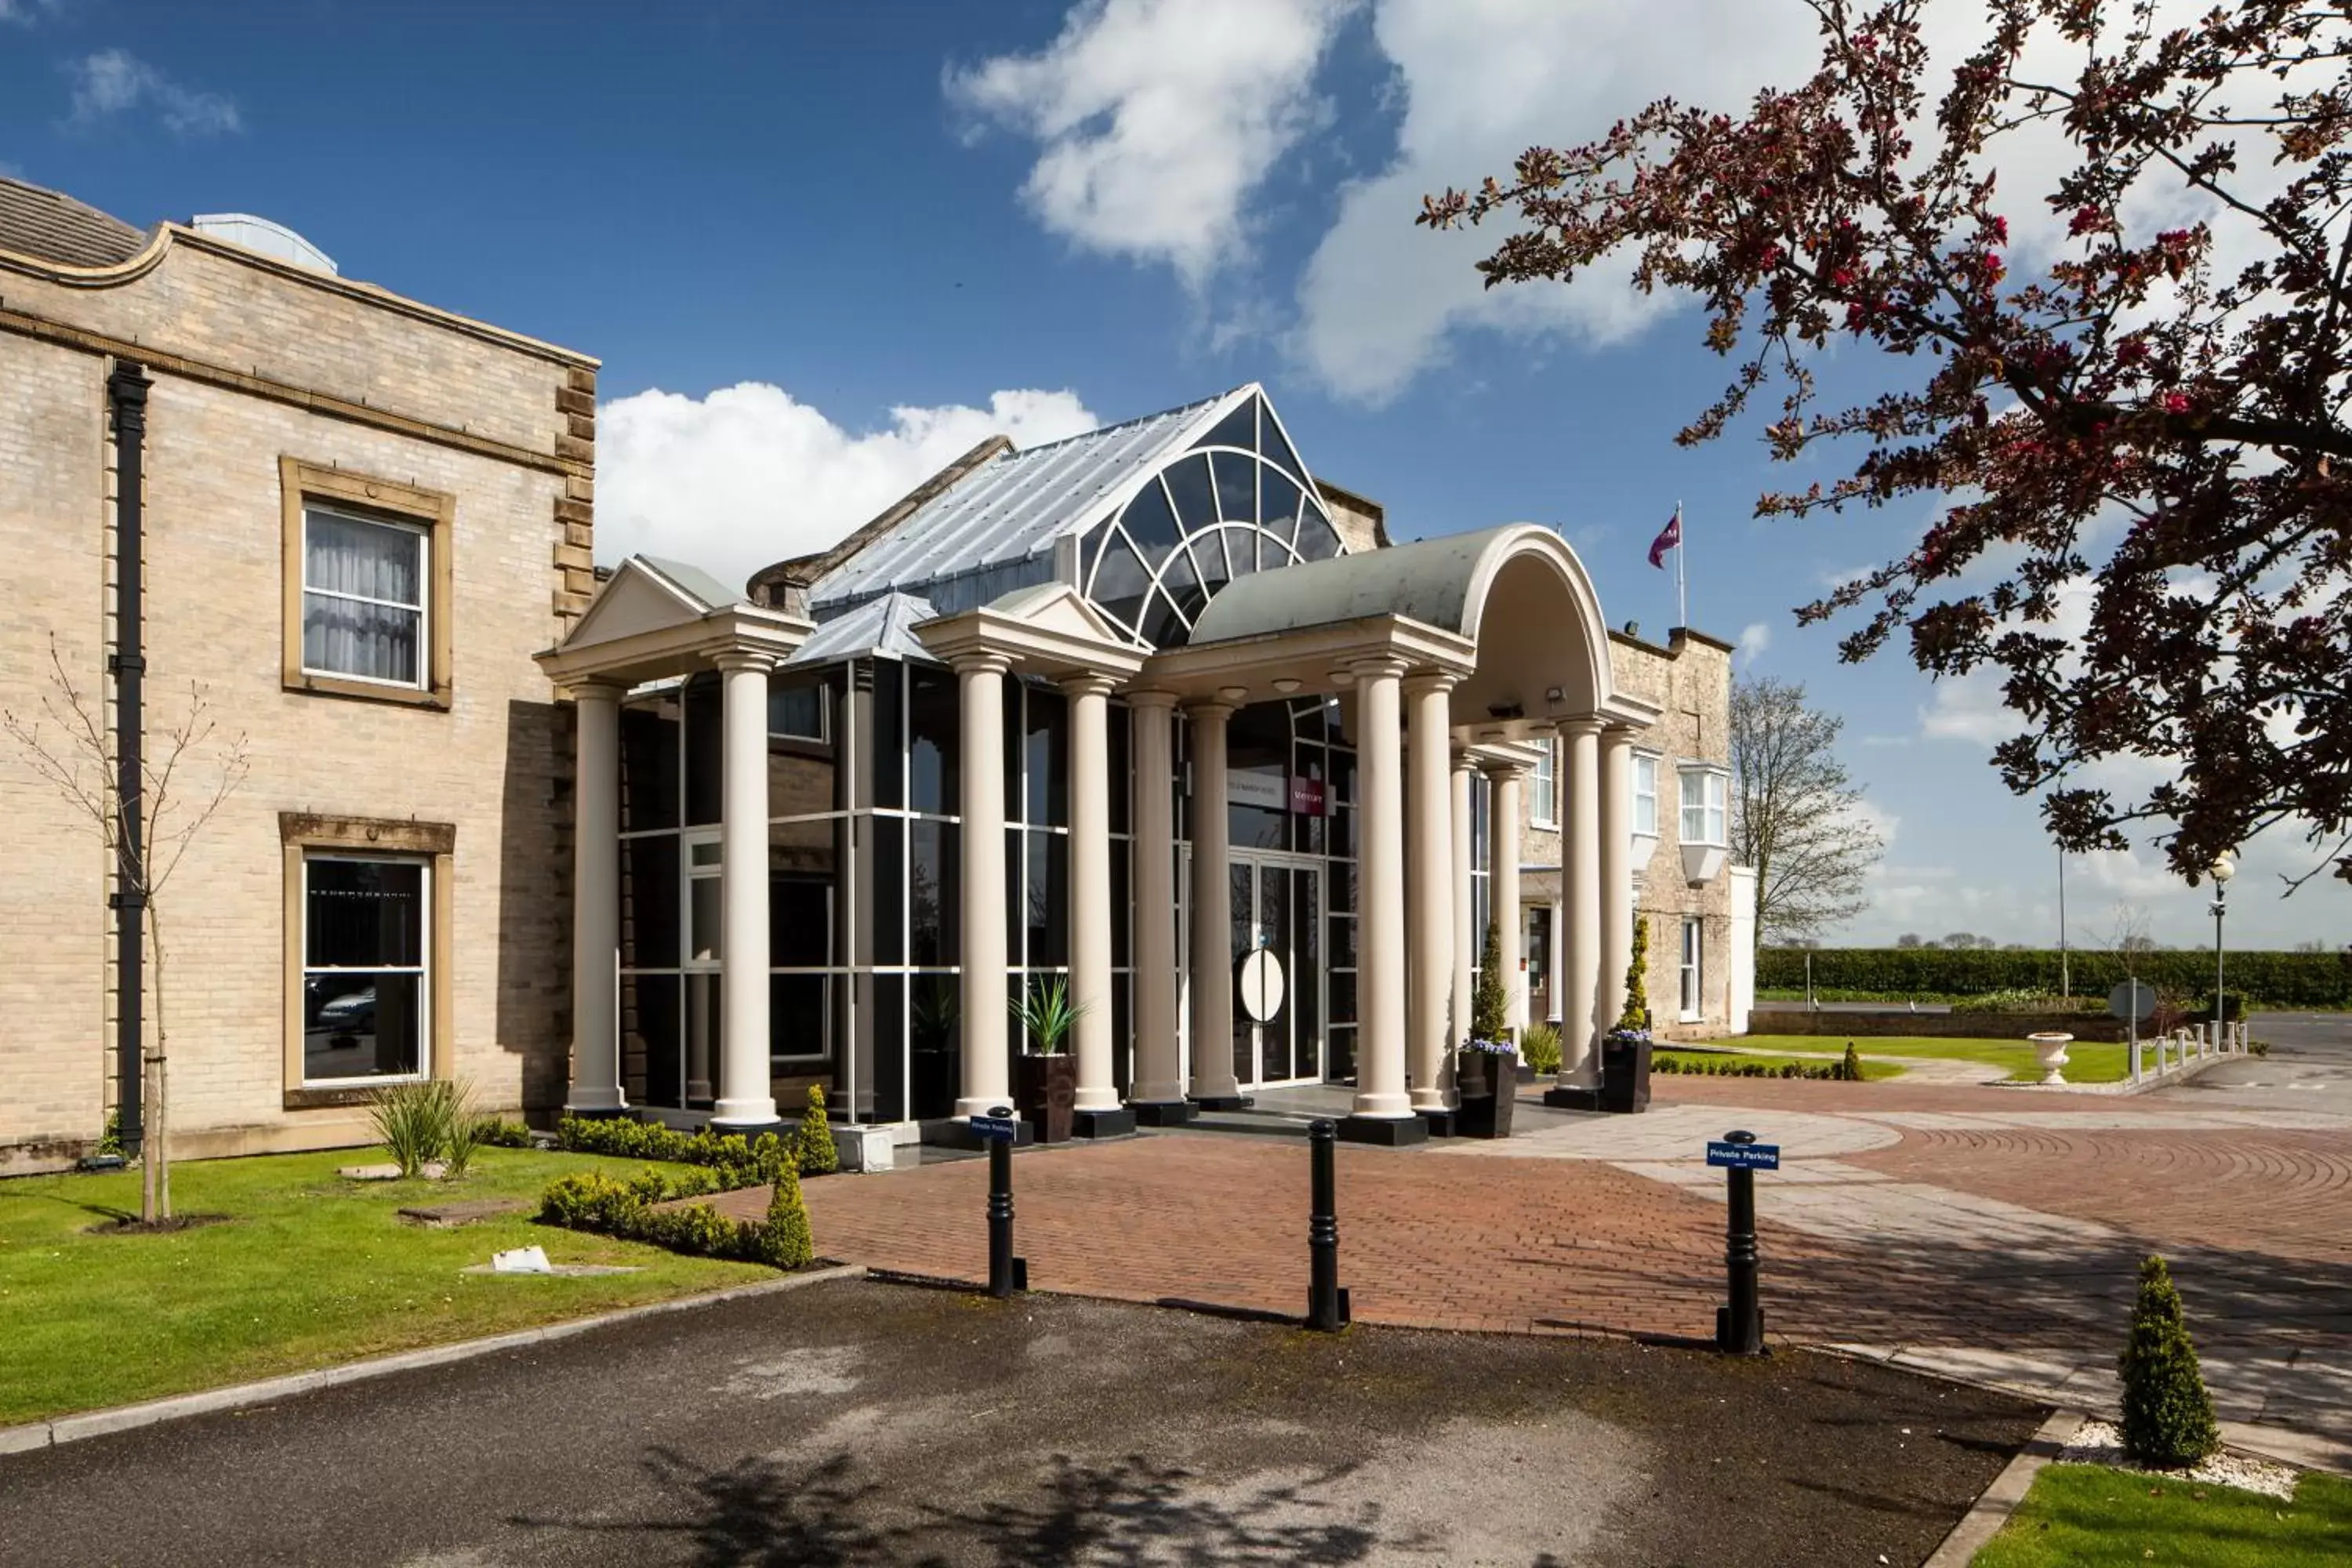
[435, 842]
[435, 511]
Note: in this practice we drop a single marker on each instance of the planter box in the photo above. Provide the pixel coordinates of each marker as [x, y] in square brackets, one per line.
[1045, 1091]
[863, 1147]
[1624, 1075]
[1489, 1083]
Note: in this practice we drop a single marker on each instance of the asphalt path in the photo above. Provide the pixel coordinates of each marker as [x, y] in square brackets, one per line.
[2309, 1067]
[858, 1423]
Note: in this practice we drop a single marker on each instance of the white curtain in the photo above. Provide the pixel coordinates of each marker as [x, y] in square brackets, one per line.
[363, 598]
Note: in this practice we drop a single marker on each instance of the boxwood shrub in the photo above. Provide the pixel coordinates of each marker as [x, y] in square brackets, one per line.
[628, 1209]
[733, 1162]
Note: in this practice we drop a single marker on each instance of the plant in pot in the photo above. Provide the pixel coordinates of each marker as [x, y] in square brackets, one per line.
[1625, 1048]
[1486, 1069]
[1045, 1088]
[934, 1058]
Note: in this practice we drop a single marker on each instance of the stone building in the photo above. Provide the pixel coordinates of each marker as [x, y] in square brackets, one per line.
[361, 517]
[1154, 712]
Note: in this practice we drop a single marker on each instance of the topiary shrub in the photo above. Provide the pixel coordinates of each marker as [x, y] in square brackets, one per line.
[1850, 1068]
[813, 1153]
[2168, 1415]
[785, 1241]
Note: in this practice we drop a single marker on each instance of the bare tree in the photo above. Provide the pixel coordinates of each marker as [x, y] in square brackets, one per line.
[2127, 936]
[185, 781]
[1794, 812]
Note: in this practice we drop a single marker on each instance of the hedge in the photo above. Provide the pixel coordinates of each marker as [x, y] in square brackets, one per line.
[2275, 979]
[733, 1162]
[628, 1209]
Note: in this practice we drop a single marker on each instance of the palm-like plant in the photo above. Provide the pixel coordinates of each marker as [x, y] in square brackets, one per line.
[1047, 1014]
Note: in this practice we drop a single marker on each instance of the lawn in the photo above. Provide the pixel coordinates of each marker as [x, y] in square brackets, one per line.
[2087, 1061]
[1870, 1069]
[310, 1270]
[2083, 1516]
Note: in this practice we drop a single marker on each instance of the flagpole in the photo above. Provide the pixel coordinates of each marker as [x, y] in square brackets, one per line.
[1682, 589]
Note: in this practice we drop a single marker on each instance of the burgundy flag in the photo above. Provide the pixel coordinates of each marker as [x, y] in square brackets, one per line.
[1667, 540]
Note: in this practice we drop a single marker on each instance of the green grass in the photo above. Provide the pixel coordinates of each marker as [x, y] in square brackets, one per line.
[2087, 1061]
[1870, 1069]
[311, 1271]
[2084, 1516]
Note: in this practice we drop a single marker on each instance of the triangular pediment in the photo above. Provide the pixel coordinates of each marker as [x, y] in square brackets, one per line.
[639, 598]
[1058, 608]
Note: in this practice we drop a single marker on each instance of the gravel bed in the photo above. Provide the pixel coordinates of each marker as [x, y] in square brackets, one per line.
[2099, 1443]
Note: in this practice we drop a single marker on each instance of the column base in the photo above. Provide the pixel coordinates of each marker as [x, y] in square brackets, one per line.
[1385, 1132]
[600, 1112]
[1439, 1122]
[1117, 1123]
[1560, 1097]
[1161, 1112]
[1224, 1101]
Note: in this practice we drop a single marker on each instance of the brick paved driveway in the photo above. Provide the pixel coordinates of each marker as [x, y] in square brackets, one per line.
[1989, 1233]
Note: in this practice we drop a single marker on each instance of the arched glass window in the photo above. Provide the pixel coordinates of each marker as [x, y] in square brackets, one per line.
[1238, 502]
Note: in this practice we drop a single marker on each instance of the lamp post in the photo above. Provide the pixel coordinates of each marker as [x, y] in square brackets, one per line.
[2222, 870]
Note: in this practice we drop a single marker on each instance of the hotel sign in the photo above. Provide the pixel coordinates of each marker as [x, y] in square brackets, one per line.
[1272, 791]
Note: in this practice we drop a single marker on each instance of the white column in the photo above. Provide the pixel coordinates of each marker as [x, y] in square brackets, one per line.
[1502, 884]
[1429, 846]
[595, 900]
[1616, 857]
[746, 1096]
[987, 1071]
[1090, 912]
[1380, 978]
[1465, 937]
[1581, 876]
[1552, 958]
[1159, 1069]
[1212, 940]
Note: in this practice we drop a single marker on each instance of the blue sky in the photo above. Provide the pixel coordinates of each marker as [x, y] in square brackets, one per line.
[822, 248]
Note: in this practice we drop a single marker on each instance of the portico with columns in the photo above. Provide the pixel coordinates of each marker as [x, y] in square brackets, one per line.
[1259, 832]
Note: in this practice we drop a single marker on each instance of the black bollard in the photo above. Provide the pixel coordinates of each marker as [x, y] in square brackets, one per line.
[1327, 1303]
[1739, 1327]
[1006, 1273]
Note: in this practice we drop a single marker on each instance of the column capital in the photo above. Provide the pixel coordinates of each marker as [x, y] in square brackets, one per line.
[1087, 683]
[980, 661]
[1420, 683]
[736, 659]
[1503, 769]
[595, 690]
[1213, 710]
[1154, 699]
[1583, 724]
[1374, 667]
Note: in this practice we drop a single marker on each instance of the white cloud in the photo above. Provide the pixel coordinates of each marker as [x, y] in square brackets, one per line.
[747, 476]
[26, 12]
[115, 81]
[1156, 119]
[1754, 639]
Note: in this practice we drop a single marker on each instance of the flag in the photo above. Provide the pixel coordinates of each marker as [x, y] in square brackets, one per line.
[1670, 538]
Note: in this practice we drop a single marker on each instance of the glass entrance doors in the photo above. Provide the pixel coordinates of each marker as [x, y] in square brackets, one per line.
[1277, 936]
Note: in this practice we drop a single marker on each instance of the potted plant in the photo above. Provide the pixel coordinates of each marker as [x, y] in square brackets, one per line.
[1625, 1048]
[1487, 1069]
[934, 1057]
[1045, 1087]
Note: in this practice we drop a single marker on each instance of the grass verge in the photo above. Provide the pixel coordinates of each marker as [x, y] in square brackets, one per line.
[2087, 1061]
[2087, 1516]
[310, 1270]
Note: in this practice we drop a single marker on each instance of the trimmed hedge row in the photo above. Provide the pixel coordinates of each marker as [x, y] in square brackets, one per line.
[732, 1161]
[2275, 979]
[628, 1210]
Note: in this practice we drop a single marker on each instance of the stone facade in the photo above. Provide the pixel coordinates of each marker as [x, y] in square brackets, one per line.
[1690, 680]
[256, 362]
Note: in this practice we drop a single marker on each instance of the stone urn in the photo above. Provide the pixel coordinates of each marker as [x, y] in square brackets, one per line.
[2050, 1048]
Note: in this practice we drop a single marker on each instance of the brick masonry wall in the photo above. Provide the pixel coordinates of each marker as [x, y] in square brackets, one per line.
[496, 764]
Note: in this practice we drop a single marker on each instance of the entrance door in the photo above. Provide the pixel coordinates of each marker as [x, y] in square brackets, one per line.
[1277, 936]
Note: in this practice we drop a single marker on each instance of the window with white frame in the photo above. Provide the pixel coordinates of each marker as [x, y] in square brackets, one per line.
[1645, 794]
[1706, 792]
[1543, 799]
[364, 598]
[367, 992]
[1693, 990]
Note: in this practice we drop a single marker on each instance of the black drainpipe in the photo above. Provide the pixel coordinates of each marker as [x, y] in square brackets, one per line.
[126, 392]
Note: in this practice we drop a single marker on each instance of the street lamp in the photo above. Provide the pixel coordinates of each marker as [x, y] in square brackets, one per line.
[2222, 870]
